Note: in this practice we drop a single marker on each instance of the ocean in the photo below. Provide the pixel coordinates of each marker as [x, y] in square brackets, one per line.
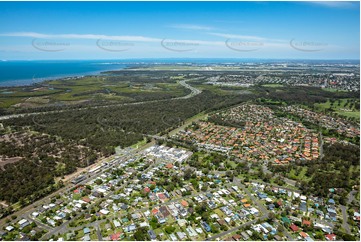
[17, 73]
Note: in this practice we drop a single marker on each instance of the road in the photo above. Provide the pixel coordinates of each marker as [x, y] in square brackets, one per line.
[260, 206]
[321, 146]
[351, 196]
[344, 219]
[220, 235]
[264, 213]
[63, 226]
[194, 92]
[99, 234]
[288, 181]
[26, 211]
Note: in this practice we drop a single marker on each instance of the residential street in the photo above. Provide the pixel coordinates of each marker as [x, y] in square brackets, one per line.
[344, 219]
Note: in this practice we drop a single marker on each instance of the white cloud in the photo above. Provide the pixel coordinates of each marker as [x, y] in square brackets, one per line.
[107, 37]
[236, 36]
[82, 36]
[246, 37]
[335, 4]
[192, 27]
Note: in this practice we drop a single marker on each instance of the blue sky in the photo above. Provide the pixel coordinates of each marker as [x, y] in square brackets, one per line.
[120, 30]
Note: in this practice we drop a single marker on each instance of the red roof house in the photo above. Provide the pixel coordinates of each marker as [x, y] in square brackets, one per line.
[294, 228]
[304, 235]
[184, 203]
[155, 211]
[306, 222]
[330, 237]
[169, 166]
[115, 237]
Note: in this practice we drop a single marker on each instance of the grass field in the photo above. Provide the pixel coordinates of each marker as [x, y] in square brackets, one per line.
[341, 107]
[301, 176]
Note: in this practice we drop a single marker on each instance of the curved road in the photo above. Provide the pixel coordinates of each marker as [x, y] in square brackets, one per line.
[194, 92]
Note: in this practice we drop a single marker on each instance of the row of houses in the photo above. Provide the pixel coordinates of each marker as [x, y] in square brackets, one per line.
[262, 137]
[340, 125]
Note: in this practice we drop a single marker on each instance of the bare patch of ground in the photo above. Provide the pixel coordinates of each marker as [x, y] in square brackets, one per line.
[4, 161]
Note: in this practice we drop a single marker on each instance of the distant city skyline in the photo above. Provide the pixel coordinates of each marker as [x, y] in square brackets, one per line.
[125, 30]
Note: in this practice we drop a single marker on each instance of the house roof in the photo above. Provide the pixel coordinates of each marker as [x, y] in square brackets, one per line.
[236, 237]
[330, 236]
[184, 203]
[164, 211]
[306, 222]
[294, 227]
[155, 211]
[115, 236]
[161, 196]
[221, 221]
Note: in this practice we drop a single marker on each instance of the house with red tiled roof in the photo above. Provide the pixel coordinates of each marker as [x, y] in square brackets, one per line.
[306, 222]
[147, 189]
[161, 196]
[169, 166]
[155, 211]
[294, 228]
[116, 236]
[330, 237]
[184, 203]
[304, 235]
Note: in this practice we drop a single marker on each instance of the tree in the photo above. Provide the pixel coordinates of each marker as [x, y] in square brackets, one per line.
[204, 187]
[98, 181]
[141, 234]
[187, 174]
[224, 227]
[271, 217]
[214, 229]
[169, 229]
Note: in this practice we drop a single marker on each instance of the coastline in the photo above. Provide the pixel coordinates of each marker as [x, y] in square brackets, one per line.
[31, 82]
[72, 72]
